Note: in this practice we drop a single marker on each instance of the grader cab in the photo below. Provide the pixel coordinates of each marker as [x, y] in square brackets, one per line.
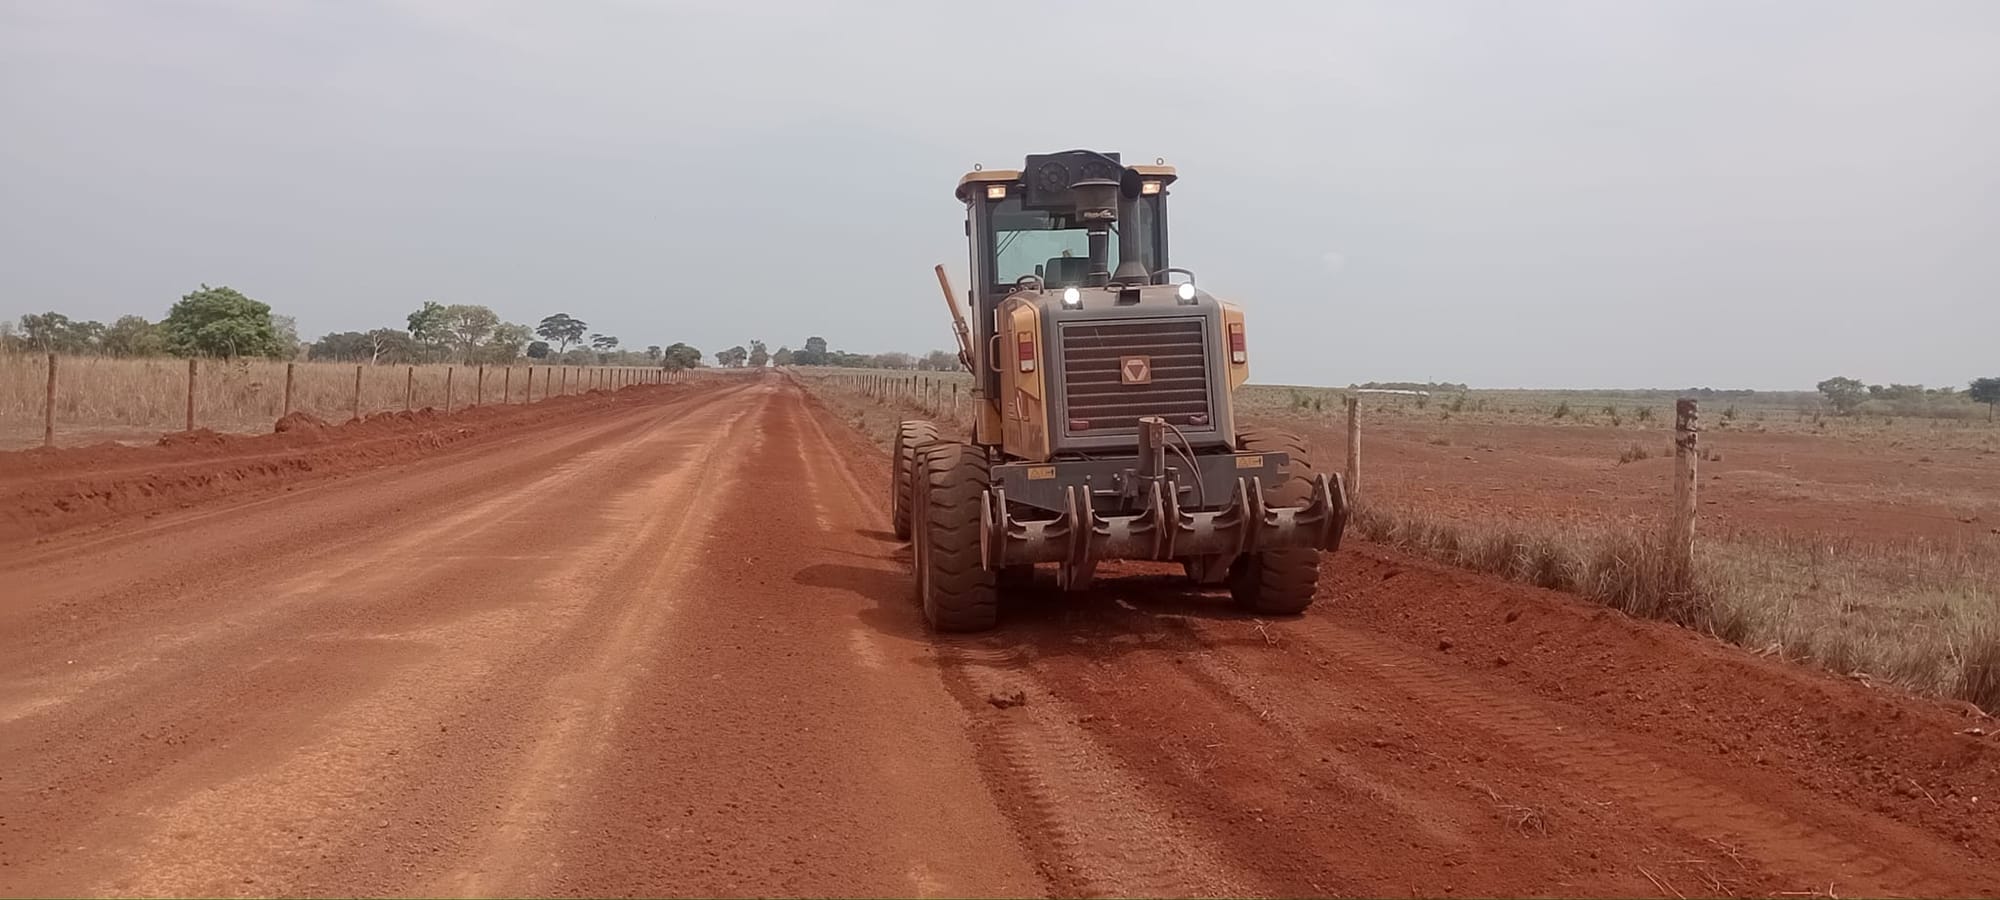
[1103, 422]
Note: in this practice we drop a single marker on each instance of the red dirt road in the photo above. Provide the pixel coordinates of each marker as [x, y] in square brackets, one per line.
[669, 649]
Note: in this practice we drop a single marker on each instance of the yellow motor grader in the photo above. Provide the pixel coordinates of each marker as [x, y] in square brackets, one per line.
[1103, 422]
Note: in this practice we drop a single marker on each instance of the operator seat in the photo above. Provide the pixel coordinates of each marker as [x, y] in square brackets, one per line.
[1066, 271]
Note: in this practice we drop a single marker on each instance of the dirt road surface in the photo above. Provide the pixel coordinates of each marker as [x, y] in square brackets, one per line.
[670, 649]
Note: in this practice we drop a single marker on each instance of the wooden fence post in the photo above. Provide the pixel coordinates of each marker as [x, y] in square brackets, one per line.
[288, 389]
[1353, 448]
[49, 407]
[1680, 536]
[191, 376]
[545, 382]
[479, 387]
[409, 388]
[507, 387]
[562, 386]
[528, 390]
[357, 393]
[449, 371]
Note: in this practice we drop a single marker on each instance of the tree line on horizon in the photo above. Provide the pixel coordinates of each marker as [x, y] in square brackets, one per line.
[221, 322]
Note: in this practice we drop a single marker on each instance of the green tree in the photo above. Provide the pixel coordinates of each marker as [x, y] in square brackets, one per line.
[84, 337]
[783, 357]
[939, 361]
[133, 336]
[287, 330]
[392, 345]
[732, 357]
[759, 357]
[45, 332]
[469, 326]
[814, 353]
[603, 343]
[220, 321]
[344, 346]
[428, 326]
[504, 345]
[1987, 391]
[538, 349]
[653, 353]
[680, 356]
[1844, 393]
[562, 329]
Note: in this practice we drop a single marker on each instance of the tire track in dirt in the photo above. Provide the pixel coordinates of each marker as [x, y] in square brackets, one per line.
[1789, 847]
[1102, 834]
[791, 735]
[1381, 771]
[1093, 830]
[585, 702]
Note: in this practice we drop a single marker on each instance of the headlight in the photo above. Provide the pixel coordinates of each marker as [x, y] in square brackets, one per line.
[1186, 291]
[1072, 297]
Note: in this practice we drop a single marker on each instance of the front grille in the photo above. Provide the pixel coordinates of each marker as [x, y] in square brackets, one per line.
[1097, 397]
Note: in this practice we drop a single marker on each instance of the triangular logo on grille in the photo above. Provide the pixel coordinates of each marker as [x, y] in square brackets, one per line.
[1135, 370]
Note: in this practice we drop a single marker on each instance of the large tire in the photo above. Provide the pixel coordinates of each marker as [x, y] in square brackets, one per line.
[956, 591]
[1278, 582]
[902, 461]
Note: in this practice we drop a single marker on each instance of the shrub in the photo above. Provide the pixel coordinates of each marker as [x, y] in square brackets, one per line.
[1633, 453]
[1562, 410]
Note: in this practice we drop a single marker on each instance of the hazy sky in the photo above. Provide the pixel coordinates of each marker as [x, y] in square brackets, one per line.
[1619, 194]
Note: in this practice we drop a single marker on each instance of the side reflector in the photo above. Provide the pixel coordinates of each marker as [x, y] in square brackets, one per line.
[1237, 353]
[1024, 350]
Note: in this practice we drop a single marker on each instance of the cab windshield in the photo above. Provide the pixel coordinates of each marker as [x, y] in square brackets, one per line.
[1055, 247]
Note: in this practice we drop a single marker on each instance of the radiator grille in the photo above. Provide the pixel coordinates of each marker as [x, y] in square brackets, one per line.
[1098, 398]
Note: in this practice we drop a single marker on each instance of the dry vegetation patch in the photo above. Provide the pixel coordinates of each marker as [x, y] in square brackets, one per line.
[1918, 612]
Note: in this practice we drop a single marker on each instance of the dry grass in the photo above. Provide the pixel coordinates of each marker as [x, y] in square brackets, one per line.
[1921, 615]
[1623, 568]
[876, 401]
[95, 395]
[1944, 424]
[1918, 614]
[1634, 453]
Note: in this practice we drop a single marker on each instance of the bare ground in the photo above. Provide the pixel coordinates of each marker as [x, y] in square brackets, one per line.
[664, 645]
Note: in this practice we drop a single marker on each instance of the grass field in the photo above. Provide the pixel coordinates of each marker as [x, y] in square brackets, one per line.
[101, 398]
[1866, 545]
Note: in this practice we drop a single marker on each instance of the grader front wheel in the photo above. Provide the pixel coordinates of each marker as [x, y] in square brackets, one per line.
[910, 436]
[955, 588]
[1278, 582]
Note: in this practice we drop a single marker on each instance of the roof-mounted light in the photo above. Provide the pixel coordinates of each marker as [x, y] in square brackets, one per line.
[996, 191]
[1149, 187]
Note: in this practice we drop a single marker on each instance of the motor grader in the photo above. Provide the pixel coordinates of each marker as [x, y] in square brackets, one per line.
[1103, 421]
